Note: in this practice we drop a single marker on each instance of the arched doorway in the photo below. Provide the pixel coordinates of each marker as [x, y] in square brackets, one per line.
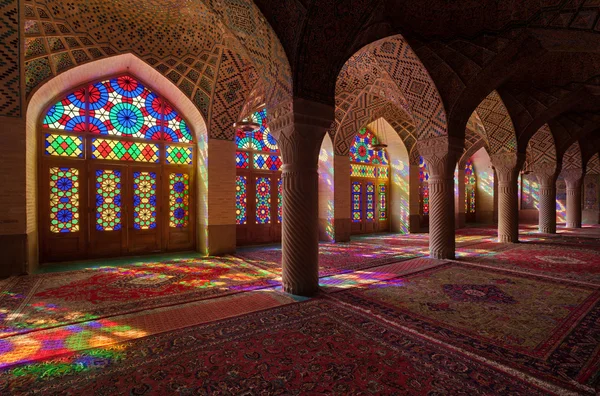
[117, 173]
[258, 184]
[369, 184]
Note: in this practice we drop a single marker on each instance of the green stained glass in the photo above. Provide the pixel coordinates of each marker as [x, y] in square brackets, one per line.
[179, 200]
[64, 146]
[179, 155]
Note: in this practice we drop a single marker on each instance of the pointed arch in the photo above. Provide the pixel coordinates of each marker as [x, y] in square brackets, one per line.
[572, 158]
[498, 125]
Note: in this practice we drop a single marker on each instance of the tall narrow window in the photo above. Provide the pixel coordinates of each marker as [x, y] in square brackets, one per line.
[369, 172]
[258, 164]
[108, 200]
[424, 186]
[64, 200]
[470, 187]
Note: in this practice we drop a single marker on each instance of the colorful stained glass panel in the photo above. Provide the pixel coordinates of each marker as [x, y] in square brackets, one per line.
[359, 170]
[356, 202]
[179, 155]
[64, 146]
[144, 200]
[263, 200]
[176, 129]
[116, 150]
[362, 149]
[382, 202]
[242, 160]
[64, 200]
[267, 162]
[260, 139]
[279, 200]
[179, 200]
[108, 200]
[241, 189]
[68, 114]
[124, 107]
[383, 172]
[370, 201]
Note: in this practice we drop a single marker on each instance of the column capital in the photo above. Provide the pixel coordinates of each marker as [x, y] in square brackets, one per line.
[440, 154]
[545, 173]
[507, 165]
[572, 176]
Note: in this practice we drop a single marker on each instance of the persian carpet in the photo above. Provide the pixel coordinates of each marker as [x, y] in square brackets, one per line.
[40, 301]
[317, 347]
[560, 261]
[333, 258]
[545, 327]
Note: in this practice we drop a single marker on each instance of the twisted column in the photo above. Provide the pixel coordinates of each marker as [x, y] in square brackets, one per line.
[507, 166]
[547, 205]
[441, 154]
[300, 127]
[573, 178]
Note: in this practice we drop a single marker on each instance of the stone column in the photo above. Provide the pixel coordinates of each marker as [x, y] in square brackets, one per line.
[300, 127]
[341, 193]
[546, 175]
[441, 155]
[573, 178]
[507, 166]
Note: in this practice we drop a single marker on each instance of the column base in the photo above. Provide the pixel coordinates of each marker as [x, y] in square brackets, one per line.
[15, 255]
[507, 239]
[442, 255]
[297, 290]
[343, 228]
[573, 225]
[547, 230]
[219, 239]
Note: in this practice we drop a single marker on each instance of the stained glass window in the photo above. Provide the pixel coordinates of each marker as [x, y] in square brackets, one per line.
[370, 201]
[64, 146]
[279, 200]
[240, 199]
[121, 107]
[470, 187]
[359, 170]
[124, 107]
[260, 139]
[263, 200]
[179, 155]
[64, 200]
[108, 200]
[424, 186]
[107, 149]
[362, 151]
[242, 160]
[179, 200]
[68, 114]
[267, 162]
[382, 202]
[176, 129]
[356, 202]
[144, 200]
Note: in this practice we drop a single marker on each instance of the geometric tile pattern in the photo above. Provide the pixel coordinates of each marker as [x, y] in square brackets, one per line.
[572, 157]
[237, 76]
[541, 149]
[390, 71]
[593, 165]
[10, 55]
[498, 124]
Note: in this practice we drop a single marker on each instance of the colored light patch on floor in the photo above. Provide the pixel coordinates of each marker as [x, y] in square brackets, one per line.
[48, 300]
[51, 351]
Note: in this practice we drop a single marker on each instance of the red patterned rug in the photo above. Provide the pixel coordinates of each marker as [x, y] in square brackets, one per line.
[547, 328]
[35, 302]
[316, 347]
[559, 261]
[333, 258]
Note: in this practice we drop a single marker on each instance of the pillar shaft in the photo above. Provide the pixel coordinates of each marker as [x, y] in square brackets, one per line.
[507, 166]
[547, 204]
[573, 178]
[300, 127]
[441, 154]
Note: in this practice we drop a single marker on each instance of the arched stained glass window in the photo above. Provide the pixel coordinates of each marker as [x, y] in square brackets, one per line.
[470, 187]
[369, 171]
[424, 186]
[259, 200]
[132, 158]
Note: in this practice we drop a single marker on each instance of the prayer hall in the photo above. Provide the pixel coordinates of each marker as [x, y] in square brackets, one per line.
[299, 197]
